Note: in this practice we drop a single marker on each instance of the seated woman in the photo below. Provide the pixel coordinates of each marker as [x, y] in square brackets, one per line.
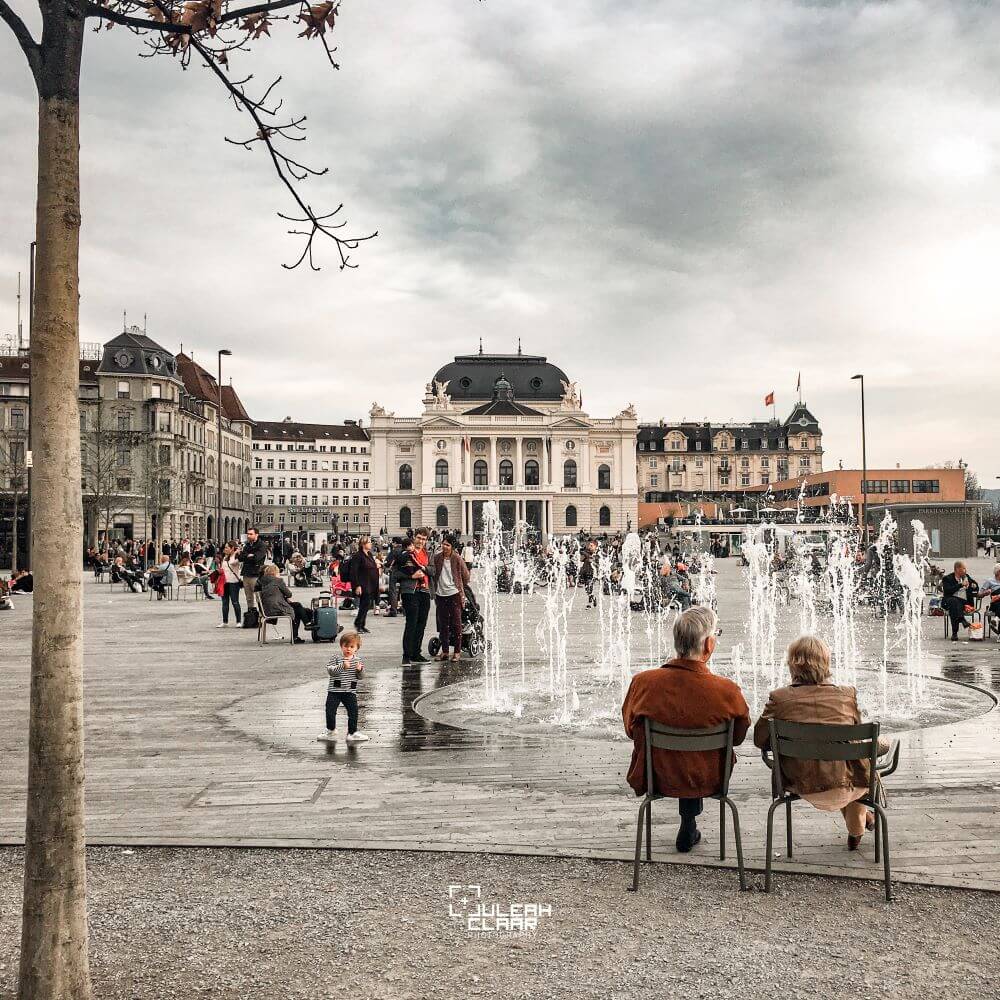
[274, 599]
[188, 574]
[22, 583]
[120, 573]
[812, 698]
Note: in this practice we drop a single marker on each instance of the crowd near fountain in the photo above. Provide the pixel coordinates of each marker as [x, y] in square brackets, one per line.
[551, 655]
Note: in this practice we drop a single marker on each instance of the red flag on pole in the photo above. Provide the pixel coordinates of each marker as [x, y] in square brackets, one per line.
[769, 399]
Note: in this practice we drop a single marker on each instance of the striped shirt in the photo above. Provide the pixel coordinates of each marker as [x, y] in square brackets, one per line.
[344, 678]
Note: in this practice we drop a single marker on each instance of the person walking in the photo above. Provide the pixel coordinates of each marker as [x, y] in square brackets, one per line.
[362, 572]
[253, 557]
[451, 575]
[412, 569]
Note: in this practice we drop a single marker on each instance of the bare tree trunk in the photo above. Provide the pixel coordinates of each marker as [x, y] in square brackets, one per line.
[14, 534]
[54, 960]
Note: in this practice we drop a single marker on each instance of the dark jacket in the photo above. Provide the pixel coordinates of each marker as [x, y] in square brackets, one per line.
[459, 571]
[274, 596]
[950, 587]
[254, 556]
[685, 694]
[361, 570]
[404, 568]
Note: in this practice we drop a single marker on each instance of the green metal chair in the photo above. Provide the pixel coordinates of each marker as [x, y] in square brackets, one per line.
[820, 741]
[662, 737]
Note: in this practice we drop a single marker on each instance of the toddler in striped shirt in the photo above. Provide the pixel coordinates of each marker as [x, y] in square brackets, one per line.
[345, 669]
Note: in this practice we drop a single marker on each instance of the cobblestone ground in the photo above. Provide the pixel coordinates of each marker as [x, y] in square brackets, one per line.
[291, 925]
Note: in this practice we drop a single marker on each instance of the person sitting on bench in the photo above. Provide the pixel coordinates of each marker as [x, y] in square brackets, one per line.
[960, 590]
[275, 600]
[992, 587]
[22, 583]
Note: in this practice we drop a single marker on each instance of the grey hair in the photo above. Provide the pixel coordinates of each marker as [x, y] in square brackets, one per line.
[691, 630]
[996, 569]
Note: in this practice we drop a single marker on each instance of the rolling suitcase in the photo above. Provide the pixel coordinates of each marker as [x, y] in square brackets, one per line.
[325, 627]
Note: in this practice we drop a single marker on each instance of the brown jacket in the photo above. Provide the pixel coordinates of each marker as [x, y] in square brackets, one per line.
[685, 694]
[817, 703]
[459, 571]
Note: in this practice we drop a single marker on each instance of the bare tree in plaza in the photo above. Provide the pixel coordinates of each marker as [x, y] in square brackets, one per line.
[210, 33]
[14, 477]
[106, 456]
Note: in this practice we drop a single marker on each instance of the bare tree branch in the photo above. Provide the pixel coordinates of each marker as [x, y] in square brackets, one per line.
[258, 8]
[30, 48]
[141, 23]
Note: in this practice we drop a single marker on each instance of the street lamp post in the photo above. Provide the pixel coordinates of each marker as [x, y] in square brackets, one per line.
[218, 449]
[864, 465]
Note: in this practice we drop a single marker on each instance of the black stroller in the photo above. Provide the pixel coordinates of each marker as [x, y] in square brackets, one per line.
[473, 633]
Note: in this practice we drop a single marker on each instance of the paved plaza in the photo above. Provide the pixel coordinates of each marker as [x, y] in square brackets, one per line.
[199, 736]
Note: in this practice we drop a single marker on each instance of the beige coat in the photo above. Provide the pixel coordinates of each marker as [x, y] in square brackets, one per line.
[814, 703]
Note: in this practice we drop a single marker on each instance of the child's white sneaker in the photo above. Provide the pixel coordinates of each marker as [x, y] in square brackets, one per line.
[357, 738]
[330, 736]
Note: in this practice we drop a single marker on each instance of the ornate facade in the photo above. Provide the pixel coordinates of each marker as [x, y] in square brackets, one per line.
[509, 428]
[696, 459]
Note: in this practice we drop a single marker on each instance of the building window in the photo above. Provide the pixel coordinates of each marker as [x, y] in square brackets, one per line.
[155, 390]
[724, 479]
[480, 473]
[506, 472]
[654, 480]
[440, 474]
[123, 390]
[405, 517]
[406, 478]
[745, 479]
[604, 478]
[926, 486]
[441, 519]
[570, 516]
[899, 486]
[604, 517]
[876, 486]
[531, 473]
[569, 473]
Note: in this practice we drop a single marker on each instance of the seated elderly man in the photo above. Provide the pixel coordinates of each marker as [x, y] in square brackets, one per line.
[959, 590]
[686, 694]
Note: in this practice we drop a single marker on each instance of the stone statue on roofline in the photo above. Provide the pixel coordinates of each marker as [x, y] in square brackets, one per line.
[441, 397]
[571, 397]
[379, 411]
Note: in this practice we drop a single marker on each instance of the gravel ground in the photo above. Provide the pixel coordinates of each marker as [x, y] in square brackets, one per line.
[291, 925]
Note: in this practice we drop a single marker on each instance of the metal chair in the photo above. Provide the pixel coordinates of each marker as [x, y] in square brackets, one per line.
[974, 615]
[183, 588]
[820, 741]
[662, 737]
[270, 620]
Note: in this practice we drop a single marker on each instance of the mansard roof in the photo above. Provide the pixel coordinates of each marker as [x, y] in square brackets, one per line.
[473, 377]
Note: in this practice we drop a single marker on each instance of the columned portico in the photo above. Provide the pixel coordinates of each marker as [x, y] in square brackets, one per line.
[511, 429]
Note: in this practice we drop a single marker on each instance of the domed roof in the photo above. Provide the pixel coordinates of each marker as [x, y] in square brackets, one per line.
[475, 376]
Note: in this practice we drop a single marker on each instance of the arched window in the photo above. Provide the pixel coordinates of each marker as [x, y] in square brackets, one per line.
[569, 473]
[506, 472]
[531, 473]
[604, 478]
[570, 516]
[480, 473]
[441, 473]
[405, 517]
[442, 516]
[406, 477]
[605, 517]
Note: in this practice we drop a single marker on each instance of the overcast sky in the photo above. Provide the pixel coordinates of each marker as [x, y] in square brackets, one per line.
[682, 204]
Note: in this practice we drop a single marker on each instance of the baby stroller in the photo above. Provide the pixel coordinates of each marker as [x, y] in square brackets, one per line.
[473, 633]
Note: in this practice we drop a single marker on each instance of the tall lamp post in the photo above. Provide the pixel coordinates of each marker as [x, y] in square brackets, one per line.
[218, 447]
[864, 465]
